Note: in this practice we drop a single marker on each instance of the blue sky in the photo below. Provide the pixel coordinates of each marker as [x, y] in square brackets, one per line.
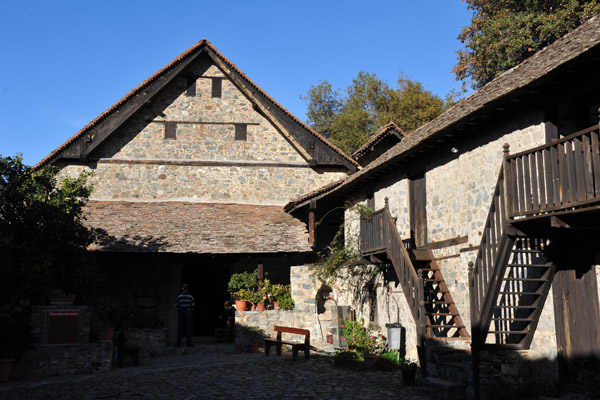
[62, 63]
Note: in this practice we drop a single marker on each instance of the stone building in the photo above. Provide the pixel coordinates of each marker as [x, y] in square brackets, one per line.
[190, 173]
[450, 194]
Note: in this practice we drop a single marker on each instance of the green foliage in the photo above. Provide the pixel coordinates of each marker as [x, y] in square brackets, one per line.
[253, 333]
[367, 104]
[285, 301]
[243, 280]
[42, 237]
[364, 340]
[389, 361]
[346, 358]
[338, 255]
[342, 252]
[503, 33]
[42, 245]
[407, 365]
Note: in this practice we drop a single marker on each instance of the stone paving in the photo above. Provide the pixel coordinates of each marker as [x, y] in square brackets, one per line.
[220, 372]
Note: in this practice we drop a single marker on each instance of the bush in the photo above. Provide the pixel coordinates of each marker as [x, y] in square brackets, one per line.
[347, 358]
[389, 361]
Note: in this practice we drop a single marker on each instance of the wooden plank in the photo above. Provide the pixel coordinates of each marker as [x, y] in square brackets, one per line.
[541, 171]
[190, 86]
[513, 188]
[521, 185]
[555, 175]
[534, 172]
[216, 87]
[587, 172]
[241, 132]
[571, 171]
[596, 162]
[170, 130]
[563, 176]
[579, 170]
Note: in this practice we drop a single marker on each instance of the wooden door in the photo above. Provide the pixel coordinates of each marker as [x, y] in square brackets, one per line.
[577, 320]
[418, 209]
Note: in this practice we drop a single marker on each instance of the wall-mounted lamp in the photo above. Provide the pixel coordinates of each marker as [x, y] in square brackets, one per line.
[454, 150]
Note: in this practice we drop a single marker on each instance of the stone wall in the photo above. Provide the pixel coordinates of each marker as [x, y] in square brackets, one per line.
[459, 189]
[204, 161]
[346, 300]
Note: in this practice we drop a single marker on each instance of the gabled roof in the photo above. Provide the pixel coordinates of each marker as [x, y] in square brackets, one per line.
[308, 142]
[187, 227]
[388, 130]
[530, 74]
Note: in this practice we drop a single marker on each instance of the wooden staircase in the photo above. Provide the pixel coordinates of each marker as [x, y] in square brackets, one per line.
[443, 317]
[523, 291]
[422, 282]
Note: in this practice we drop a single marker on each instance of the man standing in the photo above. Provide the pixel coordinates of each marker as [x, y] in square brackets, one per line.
[184, 306]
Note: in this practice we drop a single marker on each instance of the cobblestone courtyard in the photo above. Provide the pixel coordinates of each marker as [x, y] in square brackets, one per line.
[205, 375]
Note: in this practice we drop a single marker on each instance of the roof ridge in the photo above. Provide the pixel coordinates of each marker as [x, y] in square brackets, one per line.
[120, 102]
[309, 129]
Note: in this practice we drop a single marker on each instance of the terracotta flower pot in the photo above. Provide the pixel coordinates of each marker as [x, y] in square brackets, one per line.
[371, 360]
[260, 307]
[105, 334]
[241, 305]
[253, 348]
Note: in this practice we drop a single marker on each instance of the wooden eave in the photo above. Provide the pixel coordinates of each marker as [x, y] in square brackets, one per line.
[316, 150]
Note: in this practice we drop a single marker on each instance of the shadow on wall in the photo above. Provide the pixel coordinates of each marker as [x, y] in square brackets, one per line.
[505, 374]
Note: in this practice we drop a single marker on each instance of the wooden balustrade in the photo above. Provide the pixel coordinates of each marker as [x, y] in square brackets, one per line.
[380, 235]
[484, 273]
[558, 176]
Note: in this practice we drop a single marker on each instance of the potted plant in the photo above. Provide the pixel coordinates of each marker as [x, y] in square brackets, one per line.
[409, 370]
[366, 341]
[282, 297]
[254, 335]
[241, 286]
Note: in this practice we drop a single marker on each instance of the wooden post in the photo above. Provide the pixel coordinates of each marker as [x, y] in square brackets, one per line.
[311, 223]
[387, 202]
[507, 183]
[474, 329]
[261, 271]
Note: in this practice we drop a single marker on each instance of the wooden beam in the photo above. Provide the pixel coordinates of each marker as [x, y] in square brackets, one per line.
[311, 223]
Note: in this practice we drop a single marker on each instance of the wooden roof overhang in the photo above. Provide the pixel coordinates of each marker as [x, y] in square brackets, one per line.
[388, 130]
[567, 66]
[313, 147]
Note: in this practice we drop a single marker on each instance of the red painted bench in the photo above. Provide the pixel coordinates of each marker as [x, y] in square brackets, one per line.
[296, 346]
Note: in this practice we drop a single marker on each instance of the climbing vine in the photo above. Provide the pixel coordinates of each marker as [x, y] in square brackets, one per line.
[344, 249]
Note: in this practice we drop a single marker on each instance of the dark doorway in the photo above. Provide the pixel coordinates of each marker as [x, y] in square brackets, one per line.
[417, 189]
[208, 285]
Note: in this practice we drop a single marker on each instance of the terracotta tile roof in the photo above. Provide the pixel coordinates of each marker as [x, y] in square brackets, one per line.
[186, 227]
[195, 49]
[389, 129]
[508, 85]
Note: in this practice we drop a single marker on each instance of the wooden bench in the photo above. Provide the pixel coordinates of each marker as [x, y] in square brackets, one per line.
[296, 346]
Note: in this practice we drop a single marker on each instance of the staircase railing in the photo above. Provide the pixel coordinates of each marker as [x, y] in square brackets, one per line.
[379, 234]
[561, 175]
[485, 276]
[373, 233]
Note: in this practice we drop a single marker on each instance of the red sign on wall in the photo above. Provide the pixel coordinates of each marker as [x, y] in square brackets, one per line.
[63, 327]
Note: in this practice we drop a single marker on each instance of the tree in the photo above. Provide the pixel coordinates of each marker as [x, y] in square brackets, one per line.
[503, 33]
[42, 237]
[367, 104]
